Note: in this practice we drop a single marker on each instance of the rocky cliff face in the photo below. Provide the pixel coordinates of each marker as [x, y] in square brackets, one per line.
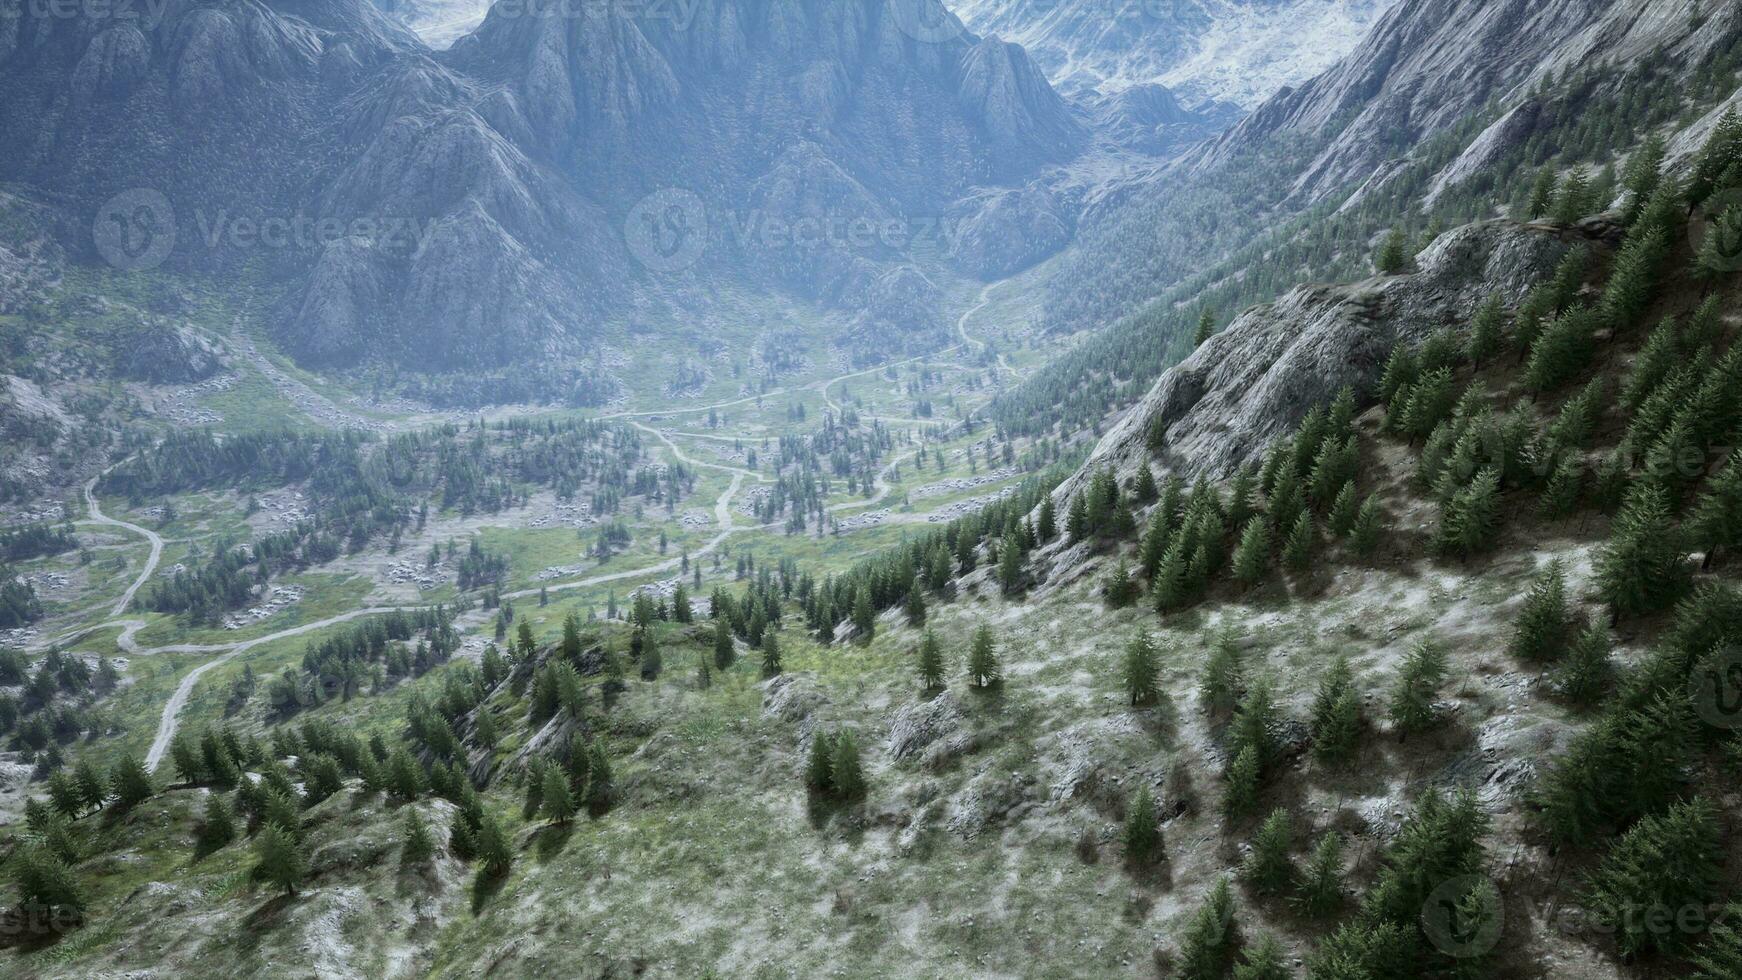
[1235, 51]
[1429, 63]
[480, 204]
[1252, 383]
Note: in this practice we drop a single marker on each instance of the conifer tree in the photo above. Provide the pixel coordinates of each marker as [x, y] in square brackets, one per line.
[1046, 526]
[1120, 590]
[418, 846]
[1393, 257]
[218, 827]
[1206, 327]
[916, 610]
[1470, 520]
[983, 671]
[820, 765]
[1720, 252]
[1487, 330]
[1542, 193]
[1545, 624]
[45, 883]
[1252, 556]
[725, 651]
[1561, 496]
[1572, 201]
[1207, 950]
[1320, 891]
[1562, 350]
[1244, 773]
[1142, 673]
[1722, 150]
[1717, 519]
[279, 861]
[1010, 566]
[1221, 683]
[1336, 717]
[1418, 684]
[600, 791]
[1369, 525]
[1643, 567]
[1142, 831]
[1267, 867]
[846, 774]
[1144, 491]
[771, 665]
[1587, 673]
[1169, 588]
[558, 802]
[1298, 551]
[495, 855]
[130, 783]
[1671, 861]
[1077, 519]
[931, 663]
[864, 615]
[1263, 962]
[1642, 176]
[1344, 511]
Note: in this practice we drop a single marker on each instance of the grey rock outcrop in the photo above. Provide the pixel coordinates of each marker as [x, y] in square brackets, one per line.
[1251, 384]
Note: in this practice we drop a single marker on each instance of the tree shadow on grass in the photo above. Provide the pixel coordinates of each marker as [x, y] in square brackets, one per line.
[548, 841]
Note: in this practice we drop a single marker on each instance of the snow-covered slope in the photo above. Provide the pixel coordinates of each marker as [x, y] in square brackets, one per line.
[1238, 51]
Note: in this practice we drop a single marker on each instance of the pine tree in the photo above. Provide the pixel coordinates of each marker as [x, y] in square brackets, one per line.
[46, 885]
[279, 861]
[1369, 525]
[1077, 519]
[217, 828]
[495, 855]
[1244, 773]
[1722, 150]
[1142, 673]
[1393, 257]
[1487, 330]
[1641, 178]
[1562, 350]
[1470, 520]
[1542, 193]
[1298, 551]
[1267, 867]
[1142, 831]
[600, 792]
[1587, 673]
[1046, 526]
[186, 757]
[1169, 587]
[418, 846]
[1207, 949]
[1206, 327]
[916, 611]
[1336, 715]
[1320, 891]
[1545, 624]
[1720, 252]
[725, 651]
[1263, 962]
[864, 615]
[983, 671]
[1344, 511]
[1560, 498]
[130, 783]
[1418, 685]
[1573, 200]
[1642, 568]
[1252, 557]
[1120, 590]
[1668, 861]
[1717, 520]
[771, 666]
[1220, 685]
[558, 803]
[1010, 566]
[820, 766]
[93, 788]
[846, 774]
[931, 663]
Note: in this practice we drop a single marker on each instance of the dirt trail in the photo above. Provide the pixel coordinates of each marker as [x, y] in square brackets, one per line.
[98, 517]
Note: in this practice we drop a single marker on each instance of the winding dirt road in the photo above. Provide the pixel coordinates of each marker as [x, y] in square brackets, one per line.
[98, 517]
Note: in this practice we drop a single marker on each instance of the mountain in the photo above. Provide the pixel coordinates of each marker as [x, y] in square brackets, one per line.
[474, 205]
[1208, 51]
